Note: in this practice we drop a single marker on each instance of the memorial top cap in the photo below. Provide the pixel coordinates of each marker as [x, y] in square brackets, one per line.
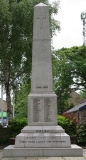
[40, 5]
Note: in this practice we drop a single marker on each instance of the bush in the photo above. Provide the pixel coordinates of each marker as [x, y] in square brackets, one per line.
[81, 134]
[67, 124]
[4, 140]
[16, 125]
[4, 135]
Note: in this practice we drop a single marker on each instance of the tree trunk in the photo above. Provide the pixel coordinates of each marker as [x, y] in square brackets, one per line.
[6, 73]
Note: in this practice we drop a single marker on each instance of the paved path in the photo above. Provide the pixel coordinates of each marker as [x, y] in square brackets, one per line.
[45, 158]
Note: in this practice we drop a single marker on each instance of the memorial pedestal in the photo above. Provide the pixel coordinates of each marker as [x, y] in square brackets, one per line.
[42, 137]
[42, 141]
[42, 109]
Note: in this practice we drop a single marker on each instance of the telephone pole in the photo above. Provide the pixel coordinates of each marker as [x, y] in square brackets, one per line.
[1, 105]
[83, 18]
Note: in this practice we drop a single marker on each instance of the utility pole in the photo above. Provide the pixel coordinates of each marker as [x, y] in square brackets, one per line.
[83, 18]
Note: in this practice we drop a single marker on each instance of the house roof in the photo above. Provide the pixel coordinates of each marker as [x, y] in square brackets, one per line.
[81, 106]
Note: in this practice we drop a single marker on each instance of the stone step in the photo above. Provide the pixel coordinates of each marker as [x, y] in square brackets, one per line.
[74, 151]
[42, 129]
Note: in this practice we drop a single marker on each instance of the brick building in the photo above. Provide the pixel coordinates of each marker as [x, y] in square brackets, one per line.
[77, 113]
[3, 111]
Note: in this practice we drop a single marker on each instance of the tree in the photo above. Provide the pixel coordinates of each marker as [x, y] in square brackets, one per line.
[83, 94]
[21, 99]
[69, 66]
[16, 29]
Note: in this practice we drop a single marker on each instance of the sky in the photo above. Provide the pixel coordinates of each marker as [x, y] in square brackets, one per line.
[69, 15]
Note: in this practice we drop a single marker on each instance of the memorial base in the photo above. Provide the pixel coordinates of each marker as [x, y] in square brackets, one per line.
[42, 141]
[73, 151]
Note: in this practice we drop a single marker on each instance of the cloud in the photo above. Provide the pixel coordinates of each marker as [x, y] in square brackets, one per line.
[69, 15]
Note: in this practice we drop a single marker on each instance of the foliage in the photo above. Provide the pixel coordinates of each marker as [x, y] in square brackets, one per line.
[81, 134]
[4, 140]
[69, 66]
[83, 94]
[67, 124]
[62, 100]
[4, 135]
[16, 30]
[16, 125]
[20, 101]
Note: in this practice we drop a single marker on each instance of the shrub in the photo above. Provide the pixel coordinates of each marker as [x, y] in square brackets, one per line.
[4, 135]
[16, 125]
[67, 124]
[4, 140]
[81, 134]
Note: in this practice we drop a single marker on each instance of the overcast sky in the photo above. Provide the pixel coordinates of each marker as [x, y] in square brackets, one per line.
[69, 15]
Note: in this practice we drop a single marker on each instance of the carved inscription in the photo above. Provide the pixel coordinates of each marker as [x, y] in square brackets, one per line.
[47, 110]
[42, 141]
[41, 86]
[36, 110]
[42, 109]
[42, 131]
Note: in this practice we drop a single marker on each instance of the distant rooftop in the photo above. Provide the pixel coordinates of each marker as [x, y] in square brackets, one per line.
[81, 106]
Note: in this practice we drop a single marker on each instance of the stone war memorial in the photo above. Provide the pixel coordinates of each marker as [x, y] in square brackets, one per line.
[42, 137]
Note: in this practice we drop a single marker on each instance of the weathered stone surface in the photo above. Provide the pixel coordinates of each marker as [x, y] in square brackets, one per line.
[73, 151]
[42, 109]
[43, 140]
[42, 129]
[42, 101]
[41, 55]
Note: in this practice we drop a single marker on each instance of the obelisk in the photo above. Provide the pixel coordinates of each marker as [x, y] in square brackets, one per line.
[42, 107]
[41, 56]
[42, 137]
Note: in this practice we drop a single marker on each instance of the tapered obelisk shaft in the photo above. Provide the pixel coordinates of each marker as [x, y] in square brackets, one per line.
[42, 101]
[41, 56]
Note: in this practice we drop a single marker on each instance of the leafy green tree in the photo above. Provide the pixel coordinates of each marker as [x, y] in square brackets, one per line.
[83, 94]
[69, 67]
[21, 100]
[16, 30]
